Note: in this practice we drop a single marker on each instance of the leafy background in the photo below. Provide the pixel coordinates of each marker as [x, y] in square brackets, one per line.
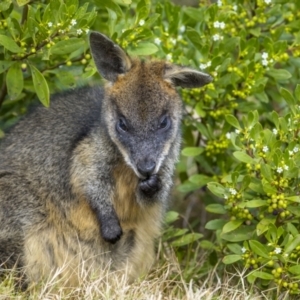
[239, 170]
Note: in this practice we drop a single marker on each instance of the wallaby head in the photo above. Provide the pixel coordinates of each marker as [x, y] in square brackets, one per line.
[142, 110]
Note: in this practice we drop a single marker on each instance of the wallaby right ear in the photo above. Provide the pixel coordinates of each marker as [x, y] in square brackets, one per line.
[109, 58]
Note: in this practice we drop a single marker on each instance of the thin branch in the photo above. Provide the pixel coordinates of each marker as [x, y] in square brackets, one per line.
[3, 92]
[24, 14]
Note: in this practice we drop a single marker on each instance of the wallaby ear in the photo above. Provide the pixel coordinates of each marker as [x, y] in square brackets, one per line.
[186, 77]
[109, 58]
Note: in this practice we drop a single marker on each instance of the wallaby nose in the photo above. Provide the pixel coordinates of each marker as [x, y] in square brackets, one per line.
[146, 167]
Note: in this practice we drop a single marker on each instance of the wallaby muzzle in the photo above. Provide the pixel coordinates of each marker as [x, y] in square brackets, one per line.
[146, 167]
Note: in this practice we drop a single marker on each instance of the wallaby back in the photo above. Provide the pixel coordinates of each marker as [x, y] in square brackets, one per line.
[86, 182]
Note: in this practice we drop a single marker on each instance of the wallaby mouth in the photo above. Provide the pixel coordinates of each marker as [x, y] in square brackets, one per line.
[151, 185]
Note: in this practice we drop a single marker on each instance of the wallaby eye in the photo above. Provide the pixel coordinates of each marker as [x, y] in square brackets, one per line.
[121, 125]
[164, 123]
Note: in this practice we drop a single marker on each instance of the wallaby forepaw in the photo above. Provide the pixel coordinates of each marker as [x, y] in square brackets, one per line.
[111, 231]
[150, 185]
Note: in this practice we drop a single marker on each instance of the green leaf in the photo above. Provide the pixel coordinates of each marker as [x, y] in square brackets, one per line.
[259, 248]
[144, 48]
[40, 85]
[9, 44]
[235, 248]
[4, 65]
[192, 151]
[294, 198]
[67, 46]
[216, 209]
[112, 5]
[263, 226]
[279, 74]
[288, 97]
[243, 233]
[215, 224]
[262, 97]
[266, 172]
[232, 225]
[207, 245]
[232, 120]
[186, 239]
[5, 4]
[294, 270]
[200, 179]
[187, 187]
[230, 259]
[297, 92]
[292, 244]
[171, 216]
[217, 189]
[195, 38]
[244, 157]
[255, 203]
[262, 275]
[22, 2]
[14, 81]
[275, 118]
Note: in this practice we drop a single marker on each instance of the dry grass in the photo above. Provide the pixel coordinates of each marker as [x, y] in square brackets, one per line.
[164, 282]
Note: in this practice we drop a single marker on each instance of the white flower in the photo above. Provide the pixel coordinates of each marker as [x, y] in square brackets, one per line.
[50, 24]
[204, 66]
[141, 22]
[277, 250]
[286, 167]
[157, 41]
[217, 24]
[79, 31]
[265, 149]
[232, 191]
[169, 56]
[222, 25]
[182, 28]
[275, 131]
[228, 135]
[291, 152]
[268, 1]
[73, 22]
[243, 249]
[279, 170]
[237, 131]
[296, 149]
[216, 37]
[264, 62]
[173, 41]
[219, 3]
[225, 197]
[265, 55]
[235, 7]
[87, 31]
[179, 37]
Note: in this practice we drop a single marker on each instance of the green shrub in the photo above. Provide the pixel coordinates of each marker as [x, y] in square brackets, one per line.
[241, 132]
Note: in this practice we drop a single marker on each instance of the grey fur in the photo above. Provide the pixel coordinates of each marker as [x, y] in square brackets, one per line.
[111, 148]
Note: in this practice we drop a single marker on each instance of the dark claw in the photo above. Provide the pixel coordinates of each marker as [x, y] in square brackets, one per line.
[150, 185]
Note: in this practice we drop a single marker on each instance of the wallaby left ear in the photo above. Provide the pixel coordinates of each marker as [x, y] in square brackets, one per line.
[186, 77]
[110, 59]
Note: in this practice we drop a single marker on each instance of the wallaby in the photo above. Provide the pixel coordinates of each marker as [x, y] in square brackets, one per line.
[86, 181]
